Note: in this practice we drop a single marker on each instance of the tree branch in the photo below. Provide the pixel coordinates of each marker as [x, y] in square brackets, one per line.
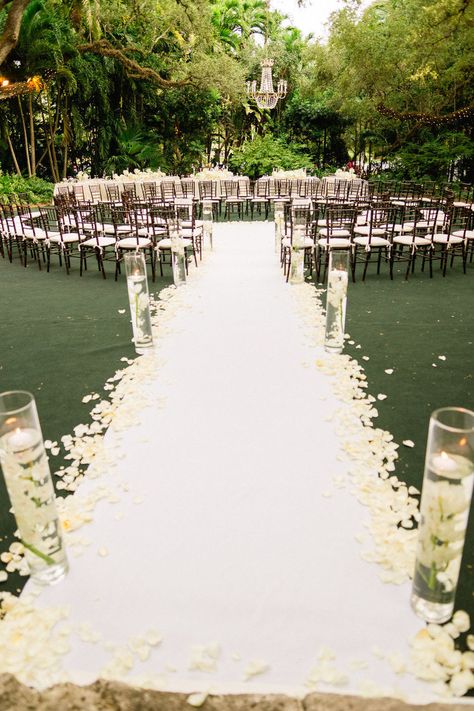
[11, 31]
[105, 49]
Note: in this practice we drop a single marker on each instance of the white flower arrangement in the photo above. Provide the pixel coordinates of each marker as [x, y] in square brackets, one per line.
[296, 173]
[346, 174]
[214, 174]
[139, 175]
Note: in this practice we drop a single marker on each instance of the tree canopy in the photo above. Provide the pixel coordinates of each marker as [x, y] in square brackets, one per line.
[103, 86]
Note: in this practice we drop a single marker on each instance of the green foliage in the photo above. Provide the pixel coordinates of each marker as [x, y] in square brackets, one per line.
[434, 157]
[315, 123]
[134, 149]
[97, 113]
[35, 189]
[261, 155]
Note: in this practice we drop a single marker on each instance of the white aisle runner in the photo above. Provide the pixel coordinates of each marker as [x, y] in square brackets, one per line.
[227, 535]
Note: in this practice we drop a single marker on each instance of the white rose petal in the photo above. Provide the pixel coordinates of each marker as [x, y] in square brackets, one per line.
[389, 371]
[408, 443]
[255, 667]
[197, 699]
[461, 620]
[153, 638]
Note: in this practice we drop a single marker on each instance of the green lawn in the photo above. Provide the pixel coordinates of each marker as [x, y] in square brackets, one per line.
[407, 325]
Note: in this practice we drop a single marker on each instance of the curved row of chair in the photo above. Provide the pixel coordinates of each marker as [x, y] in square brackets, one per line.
[234, 195]
[394, 231]
[104, 230]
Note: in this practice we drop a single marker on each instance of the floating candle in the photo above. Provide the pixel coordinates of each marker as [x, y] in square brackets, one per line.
[451, 466]
[21, 439]
[444, 463]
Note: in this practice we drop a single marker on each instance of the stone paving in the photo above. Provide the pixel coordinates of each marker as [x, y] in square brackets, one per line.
[111, 696]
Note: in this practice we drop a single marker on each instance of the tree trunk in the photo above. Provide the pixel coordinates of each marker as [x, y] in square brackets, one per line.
[49, 135]
[32, 136]
[356, 143]
[11, 30]
[12, 150]
[25, 135]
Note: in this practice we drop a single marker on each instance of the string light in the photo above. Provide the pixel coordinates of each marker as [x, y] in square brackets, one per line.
[9, 89]
[465, 115]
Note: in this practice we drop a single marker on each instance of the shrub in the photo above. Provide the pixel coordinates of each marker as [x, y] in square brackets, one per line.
[35, 190]
[263, 154]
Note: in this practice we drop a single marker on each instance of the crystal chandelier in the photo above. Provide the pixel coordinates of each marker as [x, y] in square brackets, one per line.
[266, 97]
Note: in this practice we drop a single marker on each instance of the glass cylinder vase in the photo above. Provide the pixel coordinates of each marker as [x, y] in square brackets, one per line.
[445, 504]
[298, 235]
[336, 300]
[137, 285]
[207, 224]
[279, 220]
[28, 479]
[178, 253]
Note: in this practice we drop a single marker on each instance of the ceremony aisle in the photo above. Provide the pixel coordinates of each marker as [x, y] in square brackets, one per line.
[224, 550]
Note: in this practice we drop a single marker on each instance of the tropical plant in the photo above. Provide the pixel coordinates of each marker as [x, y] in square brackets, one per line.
[261, 155]
[35, 190]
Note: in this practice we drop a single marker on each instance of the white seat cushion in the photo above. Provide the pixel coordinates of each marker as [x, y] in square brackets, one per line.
[133, 243]
[334, 233]
[460, 233]
[444, 239]
[55, 237]
[109, 229]
[409, 240]
[37, 233]
[375, 241]
[365, 230]
[166, 243]
[101, 241]
[337, 242]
